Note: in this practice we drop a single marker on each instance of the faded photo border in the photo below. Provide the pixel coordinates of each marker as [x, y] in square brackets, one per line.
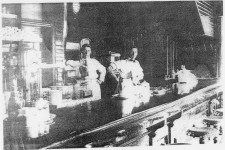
[222, 80]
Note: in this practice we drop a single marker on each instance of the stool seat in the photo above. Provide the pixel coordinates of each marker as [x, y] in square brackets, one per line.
[202, 131]
[218, 112]
[219, 109]
[212, 120]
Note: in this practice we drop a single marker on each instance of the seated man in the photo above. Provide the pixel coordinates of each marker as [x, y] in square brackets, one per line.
[129, 75]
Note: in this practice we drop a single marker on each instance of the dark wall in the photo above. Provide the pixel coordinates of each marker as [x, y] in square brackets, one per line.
[118, 26]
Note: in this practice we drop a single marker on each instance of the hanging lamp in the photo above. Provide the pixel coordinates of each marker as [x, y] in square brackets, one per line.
[76, 7]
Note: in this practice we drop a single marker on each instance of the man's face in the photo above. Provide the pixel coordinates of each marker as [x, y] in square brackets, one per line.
[86, 52]
[135, 53]
[182, 67]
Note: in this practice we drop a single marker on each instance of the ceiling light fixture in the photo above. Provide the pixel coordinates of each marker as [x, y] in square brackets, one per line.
[76, 7]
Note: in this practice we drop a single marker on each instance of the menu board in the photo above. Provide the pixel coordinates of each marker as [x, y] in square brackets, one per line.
[72, 46]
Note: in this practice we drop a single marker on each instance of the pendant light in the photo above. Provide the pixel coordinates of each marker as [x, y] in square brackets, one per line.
[76, 7]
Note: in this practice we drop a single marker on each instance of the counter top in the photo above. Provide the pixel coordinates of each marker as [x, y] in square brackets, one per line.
[88, 117]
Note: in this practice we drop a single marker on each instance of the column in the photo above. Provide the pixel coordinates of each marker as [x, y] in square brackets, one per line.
[31, 13]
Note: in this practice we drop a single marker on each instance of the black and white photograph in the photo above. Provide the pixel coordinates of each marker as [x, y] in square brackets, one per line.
[98, 74]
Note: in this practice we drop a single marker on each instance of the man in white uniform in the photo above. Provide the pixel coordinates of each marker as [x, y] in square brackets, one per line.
[130, 78]
[92, 71]
[186, 81]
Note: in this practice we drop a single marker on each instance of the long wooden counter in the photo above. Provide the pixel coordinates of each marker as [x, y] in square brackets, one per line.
[80, 125]
[136, 123]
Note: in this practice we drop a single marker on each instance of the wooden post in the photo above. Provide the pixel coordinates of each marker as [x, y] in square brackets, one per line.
[152, 129]
[202, 140]
[170, 123]
[173, 56]
[151, 136]
[53, 53]
[167, 55]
